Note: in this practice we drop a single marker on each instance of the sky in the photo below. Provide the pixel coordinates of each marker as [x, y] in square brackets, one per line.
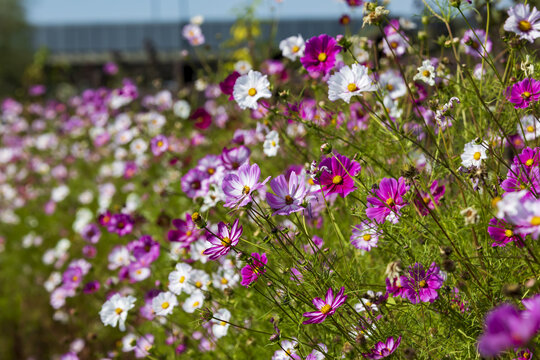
[107, 11]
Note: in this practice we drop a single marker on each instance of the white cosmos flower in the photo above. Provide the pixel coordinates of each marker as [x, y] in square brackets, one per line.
[114, 311]
[181, 108]
[194, 302]
[220, 327]
[348, 82]
[271, 143]
[292, 47]
[128, 342]
[392, 81]
[524, 22]
[249, 88]
[59, 193]
[426, 73]
[225, 278]
[529, 128]
[242, 67]
[163, 304]
[179, 279]
[473, 154]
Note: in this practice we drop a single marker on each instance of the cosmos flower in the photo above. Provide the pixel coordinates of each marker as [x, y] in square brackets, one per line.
[201, 118]
[254, 269]
[288, 351]
[426, 201]
[271, 143]
[233, 158]
[289, 195]
[503, 233]
[159, 145]
[472, 46]
[365, 236]
[186, 231]
[227, 238]
[320, 54]
[195, 183]
[239, 187]
[395, 44]
[473, 154]
[523, 93]
[383, 349]
[392, 82]
[529, 127]
[227, 85]
[292, 47]
[249, 88]
[421, 285]
[505, 327]
[163, 304]
[220, 326]
[193, 34]
[122, 224]
[326, 307]
[180, 279]
[349, 81]
[114, 311]
[336, 175]
[387, 200]
[426, 73]
[524, 22]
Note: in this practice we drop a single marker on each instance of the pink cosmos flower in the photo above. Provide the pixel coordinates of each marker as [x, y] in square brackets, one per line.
[472, 46]
[426, 201]
[523, 93]
[421, 284]
[233, 158]
[383, 349]
[326, 307]
[227, 85]
[186, 231]
[336, 175]
[365, 236]
[159, 144]
[289, 195]
[524, 22]
[239, 187]
[320, 54]
[195, 183]
[387, 200]
[503, 233]
[254, 270]
[201, 118]
[225, 240]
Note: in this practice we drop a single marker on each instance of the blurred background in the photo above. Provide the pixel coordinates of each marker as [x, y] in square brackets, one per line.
[49, 41]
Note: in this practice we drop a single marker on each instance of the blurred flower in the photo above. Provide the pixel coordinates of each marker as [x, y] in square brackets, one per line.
[114, 311]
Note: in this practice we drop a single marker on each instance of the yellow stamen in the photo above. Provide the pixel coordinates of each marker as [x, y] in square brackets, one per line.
[160, 143]
[535, 221]
[325, 309]
[390, 87]
[225, 242]
[295, 49]
[422, 283]
[224, 281]
[288, 200]
[366, 237]
[198, 284]
[477, 155]
[352, 87]
[165, 305]
[524, 25]
[252, 92]
[118, 311]
[337, 180]
[182, 279]
[526, 95]
[322, 57]
[508, 233]
[529, 162]
[223, 323]
[530, 128]
[426, 73]
[390, 202]
[393, 45]
[196, 303]
[246, 190]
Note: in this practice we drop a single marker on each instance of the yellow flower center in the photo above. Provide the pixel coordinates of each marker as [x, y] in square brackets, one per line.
[160, 143]
[288, 200]
[295, 49]
[223, 323]
[273, 143]
[535, 221]
[252, 92]
[426, 73]
[118, 311]
[182, 279]
[225, 242]
[422, 283]
[337, 180]
[322, 57]
[394, 45]
[198, 284]
[530, 128]
[390, 87]
[526, 95]
[368, 303]
[426, 200]
[75, 278]
[196, 303]
[508, 233]
[246, 190]
[477, 155]
[211, 171]
[352, 87]
[529, 162]
[524, 25]
[165, 305]
[390, 202]
[224, 281]
[366, 237]
[325, 309]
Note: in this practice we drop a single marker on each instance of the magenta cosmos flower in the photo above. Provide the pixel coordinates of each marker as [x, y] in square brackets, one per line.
[239, 187]
[253, 271]
[421, 284]
[426, 201]
[523, 93]
[233, 158]
[503, 233]
[227, 237]
[227, 85]
[387, 200]
[336, 175]
[320, 54]
[201, 118]
[289, 195]
[473, 46]
[506, 327]
[186, 231]
[383, 349]
[326, 307]
[122, 224]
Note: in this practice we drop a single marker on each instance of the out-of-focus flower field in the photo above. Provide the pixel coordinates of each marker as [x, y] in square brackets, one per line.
[329, 197]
